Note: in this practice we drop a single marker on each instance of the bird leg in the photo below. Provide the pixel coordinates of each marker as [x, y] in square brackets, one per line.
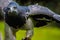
[29, 26]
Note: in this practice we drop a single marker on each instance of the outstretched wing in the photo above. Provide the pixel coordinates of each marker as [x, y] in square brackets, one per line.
[37, 10]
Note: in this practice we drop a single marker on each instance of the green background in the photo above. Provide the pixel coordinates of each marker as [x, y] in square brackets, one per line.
[49, 32]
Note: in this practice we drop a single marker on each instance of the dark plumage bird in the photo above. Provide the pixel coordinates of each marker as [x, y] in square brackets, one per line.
[16, 15]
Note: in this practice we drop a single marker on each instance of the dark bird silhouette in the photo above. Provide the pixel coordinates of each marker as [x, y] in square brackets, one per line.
[16, 16]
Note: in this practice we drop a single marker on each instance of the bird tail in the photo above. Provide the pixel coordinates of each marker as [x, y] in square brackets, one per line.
[57, 17]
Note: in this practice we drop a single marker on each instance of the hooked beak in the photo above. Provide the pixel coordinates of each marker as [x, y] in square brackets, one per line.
[12, 11]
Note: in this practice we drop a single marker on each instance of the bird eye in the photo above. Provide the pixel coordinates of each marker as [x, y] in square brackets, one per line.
[8, 8]
[15, 7]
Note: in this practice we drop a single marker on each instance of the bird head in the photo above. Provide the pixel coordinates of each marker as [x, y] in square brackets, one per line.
[12, 9]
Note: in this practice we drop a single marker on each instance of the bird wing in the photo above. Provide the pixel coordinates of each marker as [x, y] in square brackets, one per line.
[37, 10]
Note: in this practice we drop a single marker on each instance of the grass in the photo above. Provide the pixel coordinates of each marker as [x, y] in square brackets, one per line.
[48, 32]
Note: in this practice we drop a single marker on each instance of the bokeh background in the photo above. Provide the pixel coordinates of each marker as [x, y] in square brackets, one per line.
[51, 31]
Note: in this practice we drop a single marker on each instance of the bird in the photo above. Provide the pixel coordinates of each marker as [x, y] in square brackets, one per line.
[18, 16]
